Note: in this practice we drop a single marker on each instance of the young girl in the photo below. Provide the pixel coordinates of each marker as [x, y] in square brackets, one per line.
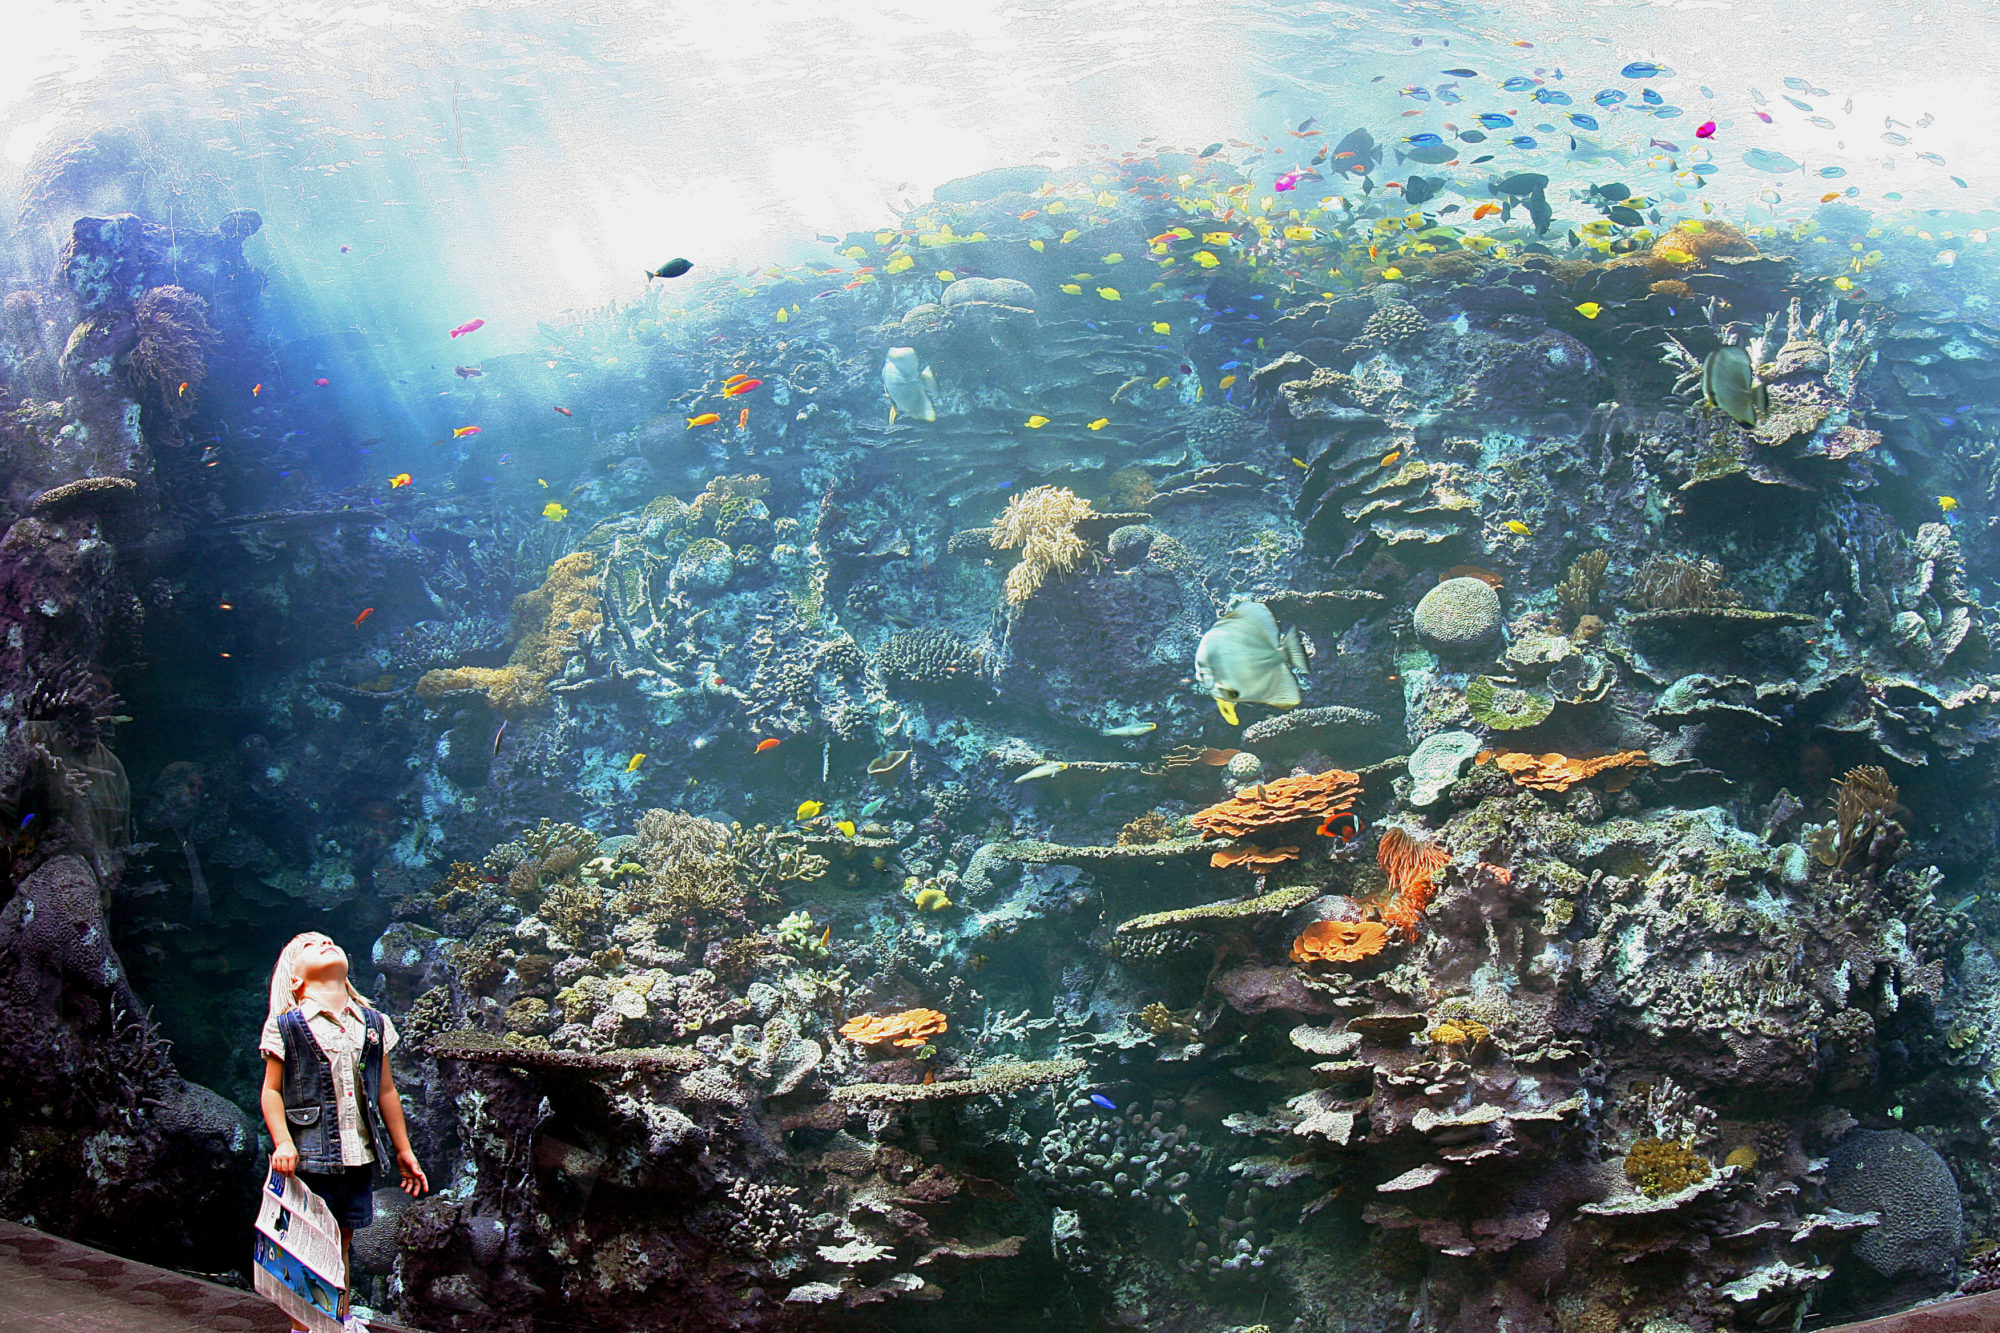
[329, 1099]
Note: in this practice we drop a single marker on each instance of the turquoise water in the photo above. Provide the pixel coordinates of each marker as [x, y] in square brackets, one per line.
[1205, 668]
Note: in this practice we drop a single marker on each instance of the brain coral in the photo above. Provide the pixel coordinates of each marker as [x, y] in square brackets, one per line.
[1903, 1178]
[1460, 615]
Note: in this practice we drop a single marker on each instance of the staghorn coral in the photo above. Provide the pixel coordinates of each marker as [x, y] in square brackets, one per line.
[1041, 524]
[1274, 805]
[1412, 866]
[1339, 941]
[690, 876]
[1558, 772]
[911, 1028]
[170, 359]
[546, 836]
[549, 624]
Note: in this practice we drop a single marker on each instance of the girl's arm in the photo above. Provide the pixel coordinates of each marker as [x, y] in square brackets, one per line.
[391, 1102]
[284, 1153]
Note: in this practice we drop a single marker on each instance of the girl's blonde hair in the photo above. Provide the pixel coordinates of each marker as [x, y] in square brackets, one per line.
[288, 964]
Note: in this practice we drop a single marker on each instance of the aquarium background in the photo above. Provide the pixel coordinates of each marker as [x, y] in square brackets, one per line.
[1215, 667]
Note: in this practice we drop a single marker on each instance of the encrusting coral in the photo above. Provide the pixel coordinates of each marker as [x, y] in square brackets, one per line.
[1041, 524]
[548, 626]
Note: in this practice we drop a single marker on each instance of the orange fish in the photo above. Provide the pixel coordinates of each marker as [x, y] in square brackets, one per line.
[768, 743]
[824, 936]
[930, 1076]
[738, 379]
[464, 431]
[743, 419]
[363, 616]
[705, 419]
[1826, 198]
[1485, 211]
[744, 386]
[400, 479]
[256, 389]
[183, 390]
[565, 411]
[1390, 457]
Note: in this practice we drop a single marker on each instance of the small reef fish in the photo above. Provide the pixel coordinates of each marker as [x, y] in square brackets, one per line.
[322, 382]
[1243, 659]
[1048, 769]
[908, 384]
[554, 512]
[1729, 381]
[470, 326]
[565, 411]
[874, 807]
[742, 386]
[1390, 458]
[499, 736]
[1706, 130]
[1227, 380]
[1098, 424]
[1518, 528]
[183, 390]
[467, 372]
[464, 431]
[888, 763]
[705, 419]
[673, 268]
[1344, 825]
[846, 827]
[1099, 1099]
[1590, 310]
[400, 480]
[743, 419]
[366, 612]
[1947, 503]
[1131, 729]
[809, 809]
[632, 765]
[768, 743]
[256, 389]
[734, 379]
[1036, 422]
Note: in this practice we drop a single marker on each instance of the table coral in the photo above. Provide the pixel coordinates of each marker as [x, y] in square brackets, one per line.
[1339, 941]
[1276, 804]
[911, 1028]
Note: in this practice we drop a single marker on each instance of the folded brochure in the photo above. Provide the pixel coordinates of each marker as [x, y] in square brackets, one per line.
[297, 1262]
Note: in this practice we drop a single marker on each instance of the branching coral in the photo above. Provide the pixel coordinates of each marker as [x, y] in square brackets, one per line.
[1412, 866]
[1339, 941]
[911, 1028]
[1041, 524]
[688, 872]
[1276, 804]
[1002, 1077]
[549, 624]
[170, 360]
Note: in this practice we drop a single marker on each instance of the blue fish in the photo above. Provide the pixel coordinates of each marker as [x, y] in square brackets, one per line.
[1229, 365]
[1448, 95]
[1418, 91]
[1644, 69]
[874, 807]
[1707, 91]
[1522, 141]
[1550, 96]
[1494, 120]
[1666, 112]
[1424, 140]
[1103, 1101]
[1793, 81]
[505, 458]
[1609, 97]
[1520, 83]
[27, 820]
[1581, 121]
[1803, 106]
[1651, 97]
[1473, 136]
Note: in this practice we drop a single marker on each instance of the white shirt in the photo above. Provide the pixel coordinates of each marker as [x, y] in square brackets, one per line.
[341, 1035]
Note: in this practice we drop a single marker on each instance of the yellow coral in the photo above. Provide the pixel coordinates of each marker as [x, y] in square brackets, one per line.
[548, 626]
[1041, 524]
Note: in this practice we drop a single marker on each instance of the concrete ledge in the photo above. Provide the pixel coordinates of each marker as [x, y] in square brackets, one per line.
[1967, 1314]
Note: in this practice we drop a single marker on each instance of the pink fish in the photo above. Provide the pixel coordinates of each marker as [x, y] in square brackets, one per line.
[322, 382]
[468, 327]
[1289, 181]
[1765, 116]
[1707, 130]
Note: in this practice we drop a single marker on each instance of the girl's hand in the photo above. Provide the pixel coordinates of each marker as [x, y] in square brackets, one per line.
[414, 1181]
[285, 1159]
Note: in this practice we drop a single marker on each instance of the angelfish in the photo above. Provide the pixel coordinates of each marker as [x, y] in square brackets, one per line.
[1243, 659]
[908, 384]
[1729, 381]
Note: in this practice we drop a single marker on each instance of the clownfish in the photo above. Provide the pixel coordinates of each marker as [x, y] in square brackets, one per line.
[1342, 824]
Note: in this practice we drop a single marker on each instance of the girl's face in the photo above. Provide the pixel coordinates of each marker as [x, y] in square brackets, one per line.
[320, 960]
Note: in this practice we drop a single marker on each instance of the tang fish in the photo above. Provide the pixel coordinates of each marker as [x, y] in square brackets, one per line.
[554, 512]
[673, 268]
[632, 765]
[1729, 381]
[909, 383]
[1243, 659]
[809, 809]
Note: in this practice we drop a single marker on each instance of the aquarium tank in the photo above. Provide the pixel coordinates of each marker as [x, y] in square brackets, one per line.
[1236, 666]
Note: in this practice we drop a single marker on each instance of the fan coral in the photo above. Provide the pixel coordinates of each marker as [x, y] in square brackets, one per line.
[911, 1028]
[1558, 772]
[1339, 941]
[1253, 858]
[170, 360]
[1411, 866]
[1041, 524]
[1659, 1167]
[549, 624]
[1272, 805]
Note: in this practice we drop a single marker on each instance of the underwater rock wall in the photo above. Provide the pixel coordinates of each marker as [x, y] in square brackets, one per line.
[814, 894]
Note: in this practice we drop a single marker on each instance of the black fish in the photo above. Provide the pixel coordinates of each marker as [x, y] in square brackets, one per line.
[1363, 146]
[1523, 182]
[1473, 136]
[1462, 73]
[1417, 189]
[1210, 151]
[1625, 217]
[1614, 191]
[1447, 210]
[1540, 212]
[673, 268]
[1488, 157]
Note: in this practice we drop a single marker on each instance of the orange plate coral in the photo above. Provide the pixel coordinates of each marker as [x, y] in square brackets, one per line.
[1253, 858]
[1339, 941]
[1272, 805]
[1557, 772]
[910, 1029]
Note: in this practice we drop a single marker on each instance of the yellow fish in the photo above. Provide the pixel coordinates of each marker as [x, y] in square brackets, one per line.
[1036, 422]
[1099, 424]
[783, 316]
[807, 809]
[1947, 503]
[1844, 283]
[554, 512]
[1205, 259]
[1069, 235]
[1114, 258]
[1590, 310]
[1162, 381]
[1302, 464]
[892, 414]
[1390, 457]
[1227, 380]
[855, 252]
[1072, 289]
[1518, 528]
[1037, 246]
[1391, 274]
[846, 826]
[1679, 256]
[633, 765]
[1161, 326]
[543, 484]
[899, 264]
[1109, 293]
[1299, 233]
[1217, 237]
[946, 275]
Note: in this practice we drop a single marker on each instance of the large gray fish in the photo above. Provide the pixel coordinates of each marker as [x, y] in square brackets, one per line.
[1243, 659]
[908, 383]
[1729, 381]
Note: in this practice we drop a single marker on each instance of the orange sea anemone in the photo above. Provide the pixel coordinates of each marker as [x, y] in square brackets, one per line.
[1411, 866]
[910, 1029]
[1271, 805]
[1339, 941]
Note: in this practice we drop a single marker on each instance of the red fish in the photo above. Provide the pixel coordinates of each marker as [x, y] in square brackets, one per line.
[1342, 824]
[768, 743]
[468, 327]
[256, 389]
[745, 387]
[1707, 130]
[369, 611]
[565, 411]
[322, 382]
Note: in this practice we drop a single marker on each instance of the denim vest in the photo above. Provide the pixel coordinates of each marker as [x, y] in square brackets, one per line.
[312, 1112]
